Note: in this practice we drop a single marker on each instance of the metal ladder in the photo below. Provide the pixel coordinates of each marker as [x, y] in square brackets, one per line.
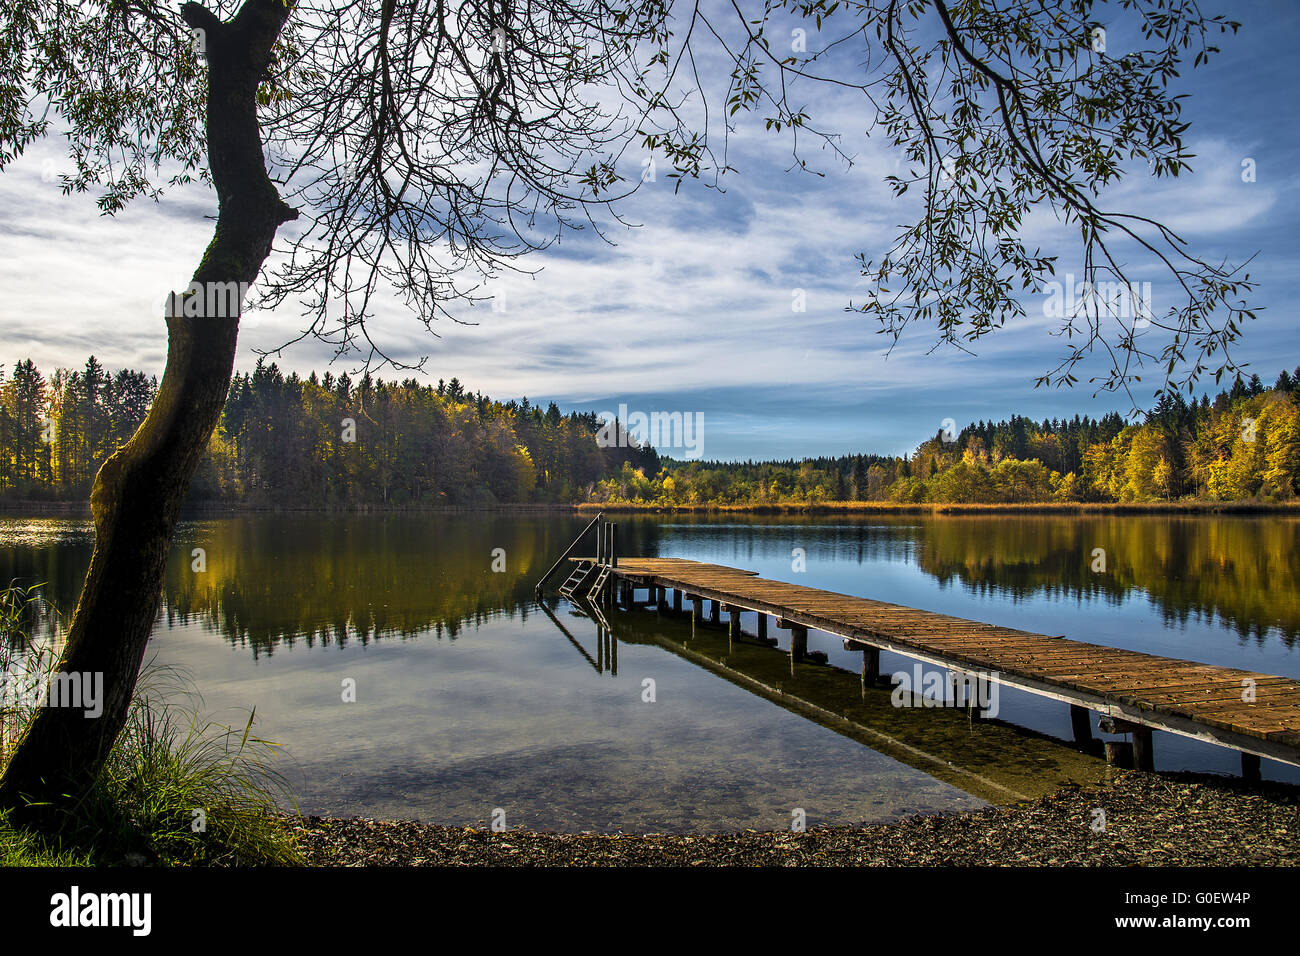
[598, 615]
[596, 572]
[602, 576]
[576, 579]
[573, 546]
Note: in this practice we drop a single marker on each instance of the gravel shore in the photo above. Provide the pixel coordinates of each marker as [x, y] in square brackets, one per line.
[1149, 819]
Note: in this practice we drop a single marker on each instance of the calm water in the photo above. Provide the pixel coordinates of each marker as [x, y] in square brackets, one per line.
[471, 697]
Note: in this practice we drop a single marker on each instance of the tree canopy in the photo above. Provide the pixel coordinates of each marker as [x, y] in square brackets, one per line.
[425, 145]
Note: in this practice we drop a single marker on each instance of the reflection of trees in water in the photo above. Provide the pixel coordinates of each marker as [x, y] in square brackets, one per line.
[60, 568]
[333, 582]
[329, 580]
[1242, 571]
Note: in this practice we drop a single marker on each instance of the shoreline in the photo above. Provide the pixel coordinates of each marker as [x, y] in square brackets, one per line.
[1150, 819]
[887, 507]
[23, 508]
[27, 508]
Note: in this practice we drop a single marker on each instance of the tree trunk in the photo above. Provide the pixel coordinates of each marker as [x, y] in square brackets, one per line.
[139, 491]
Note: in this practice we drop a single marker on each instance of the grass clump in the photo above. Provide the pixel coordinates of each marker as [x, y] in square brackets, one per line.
[178, 791]
[20, 847]
[175, 790]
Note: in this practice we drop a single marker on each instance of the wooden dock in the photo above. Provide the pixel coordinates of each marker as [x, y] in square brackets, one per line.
[1256, 714]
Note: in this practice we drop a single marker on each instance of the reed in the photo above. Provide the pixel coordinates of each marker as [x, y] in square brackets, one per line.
[176, 790]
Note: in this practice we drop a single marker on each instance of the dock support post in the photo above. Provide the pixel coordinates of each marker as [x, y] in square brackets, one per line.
[677, 600]
[969, 694]
[713, 611]
[1250, 767]
[697, 609]
[960, 699]
[611, 559]
[1119, 753]
[870, 666]
[1138, 753]
[733, 628]
[1143, 758]
[1081, 724]
[762, 626]
[798, 642]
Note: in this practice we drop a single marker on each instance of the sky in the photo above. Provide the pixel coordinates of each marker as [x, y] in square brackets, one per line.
[691, 310]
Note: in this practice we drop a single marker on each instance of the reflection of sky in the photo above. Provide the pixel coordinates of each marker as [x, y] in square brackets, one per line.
[692, 311]
[511, 717]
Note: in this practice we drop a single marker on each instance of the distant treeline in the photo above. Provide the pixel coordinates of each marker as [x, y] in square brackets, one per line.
[1244, 444]
[331, 442]
[314, 442]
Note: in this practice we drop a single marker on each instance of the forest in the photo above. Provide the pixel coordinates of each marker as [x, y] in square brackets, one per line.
[1241, 445]
[328, 441]
[318, 442]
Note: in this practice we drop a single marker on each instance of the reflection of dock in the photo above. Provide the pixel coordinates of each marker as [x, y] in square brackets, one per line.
[990, 759]
[606, 658]
[1256, 714]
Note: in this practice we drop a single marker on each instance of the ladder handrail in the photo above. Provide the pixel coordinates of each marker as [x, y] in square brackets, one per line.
[567, 551]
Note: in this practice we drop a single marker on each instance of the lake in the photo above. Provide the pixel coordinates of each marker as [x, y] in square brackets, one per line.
[471, 699]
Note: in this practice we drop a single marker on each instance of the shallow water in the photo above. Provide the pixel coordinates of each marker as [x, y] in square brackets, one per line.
[470, 699]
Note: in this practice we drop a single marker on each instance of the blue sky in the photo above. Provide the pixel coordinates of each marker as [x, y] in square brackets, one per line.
[692, 310]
